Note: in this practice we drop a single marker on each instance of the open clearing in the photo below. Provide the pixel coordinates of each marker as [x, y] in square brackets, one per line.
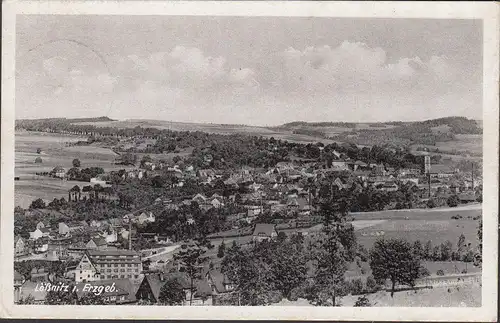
[462, 296]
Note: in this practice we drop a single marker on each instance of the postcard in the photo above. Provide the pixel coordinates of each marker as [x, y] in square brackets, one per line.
[249, 160]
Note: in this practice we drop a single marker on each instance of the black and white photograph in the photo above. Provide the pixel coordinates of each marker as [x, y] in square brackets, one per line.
[167, 161]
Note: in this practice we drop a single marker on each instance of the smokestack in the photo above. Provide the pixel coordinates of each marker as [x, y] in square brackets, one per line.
[472, 175]
[129, 234]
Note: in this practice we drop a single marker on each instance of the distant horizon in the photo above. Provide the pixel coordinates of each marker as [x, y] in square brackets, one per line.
[254, 125]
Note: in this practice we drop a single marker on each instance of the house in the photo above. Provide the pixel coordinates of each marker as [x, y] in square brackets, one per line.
[76, 250]
[39, 233]
[253, 210]
[216, 202]
[58, 172]
[116, 291]
[65, 228]
[340, 185]
[110, 235]
[86, 271]
[389, 187]
[39, 275]
[41, 225]
[97, 243]
[108, 264]
[442, 171]
[151, 285]
[264, 231]
[146, 218]
[199, 198]
[20, 247]
[219, 284]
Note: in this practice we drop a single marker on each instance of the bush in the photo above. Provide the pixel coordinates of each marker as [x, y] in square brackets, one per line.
[356, 286]
[431, 204]
[423, 272]
[453, 201]
[440, 272]
[362, 301]
[371, 284]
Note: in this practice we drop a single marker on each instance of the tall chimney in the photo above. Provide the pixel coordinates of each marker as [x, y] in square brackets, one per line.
[130, 234]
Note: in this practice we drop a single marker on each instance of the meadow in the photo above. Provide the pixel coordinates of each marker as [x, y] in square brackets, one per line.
[458, 296]
[55, 152]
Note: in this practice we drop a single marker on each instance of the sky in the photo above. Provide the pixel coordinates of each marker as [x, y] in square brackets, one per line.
[247, 70]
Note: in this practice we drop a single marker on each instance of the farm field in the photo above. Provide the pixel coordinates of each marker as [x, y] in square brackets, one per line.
[211, 128]
[435, 225]
[55, 152]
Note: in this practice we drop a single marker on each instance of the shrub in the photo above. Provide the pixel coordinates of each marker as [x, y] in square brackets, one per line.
[423, 272]
[431, 204]
[356, 286]
[362, 301]
[371, 284]
[440, 272]
[453, 201]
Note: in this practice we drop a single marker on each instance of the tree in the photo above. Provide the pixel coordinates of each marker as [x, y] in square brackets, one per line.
[446, 249]
[29, 300]
[431, 203]
[428, 250]
[37, 204]
[436, 253]
[172, 293]
[191, 259]
[417, 249]
[461, 246]
[371, 284]
[38, 160]
[221, 250]
[334, 248]
[288, 266]
[91, 299]
[76, 163]
[39, 151]
[362, 301]
[453, 201]
[62, 297]
[478, 257]
[393, 259]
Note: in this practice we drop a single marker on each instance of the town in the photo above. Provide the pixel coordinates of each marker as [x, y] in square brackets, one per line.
[195, 218]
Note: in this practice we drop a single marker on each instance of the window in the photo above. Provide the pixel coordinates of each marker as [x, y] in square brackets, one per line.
[129, 265]
[122, 265]
[80, 271]
[122, 276]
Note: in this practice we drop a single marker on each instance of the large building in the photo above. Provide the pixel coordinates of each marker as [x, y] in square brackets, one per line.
[108, 264]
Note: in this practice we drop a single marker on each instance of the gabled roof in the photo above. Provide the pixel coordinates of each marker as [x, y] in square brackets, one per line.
[264, 229]
[99, 241]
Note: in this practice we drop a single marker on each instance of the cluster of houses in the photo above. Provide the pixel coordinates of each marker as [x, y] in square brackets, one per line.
[71, 239]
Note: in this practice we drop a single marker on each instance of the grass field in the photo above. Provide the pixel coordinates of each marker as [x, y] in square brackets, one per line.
[55, 152]
[434, 224]
[463, 296]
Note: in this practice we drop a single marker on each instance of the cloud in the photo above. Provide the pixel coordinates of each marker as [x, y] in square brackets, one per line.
[185, 68]
[353, 66]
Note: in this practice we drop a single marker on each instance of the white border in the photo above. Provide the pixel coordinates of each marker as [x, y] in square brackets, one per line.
[444, 10]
